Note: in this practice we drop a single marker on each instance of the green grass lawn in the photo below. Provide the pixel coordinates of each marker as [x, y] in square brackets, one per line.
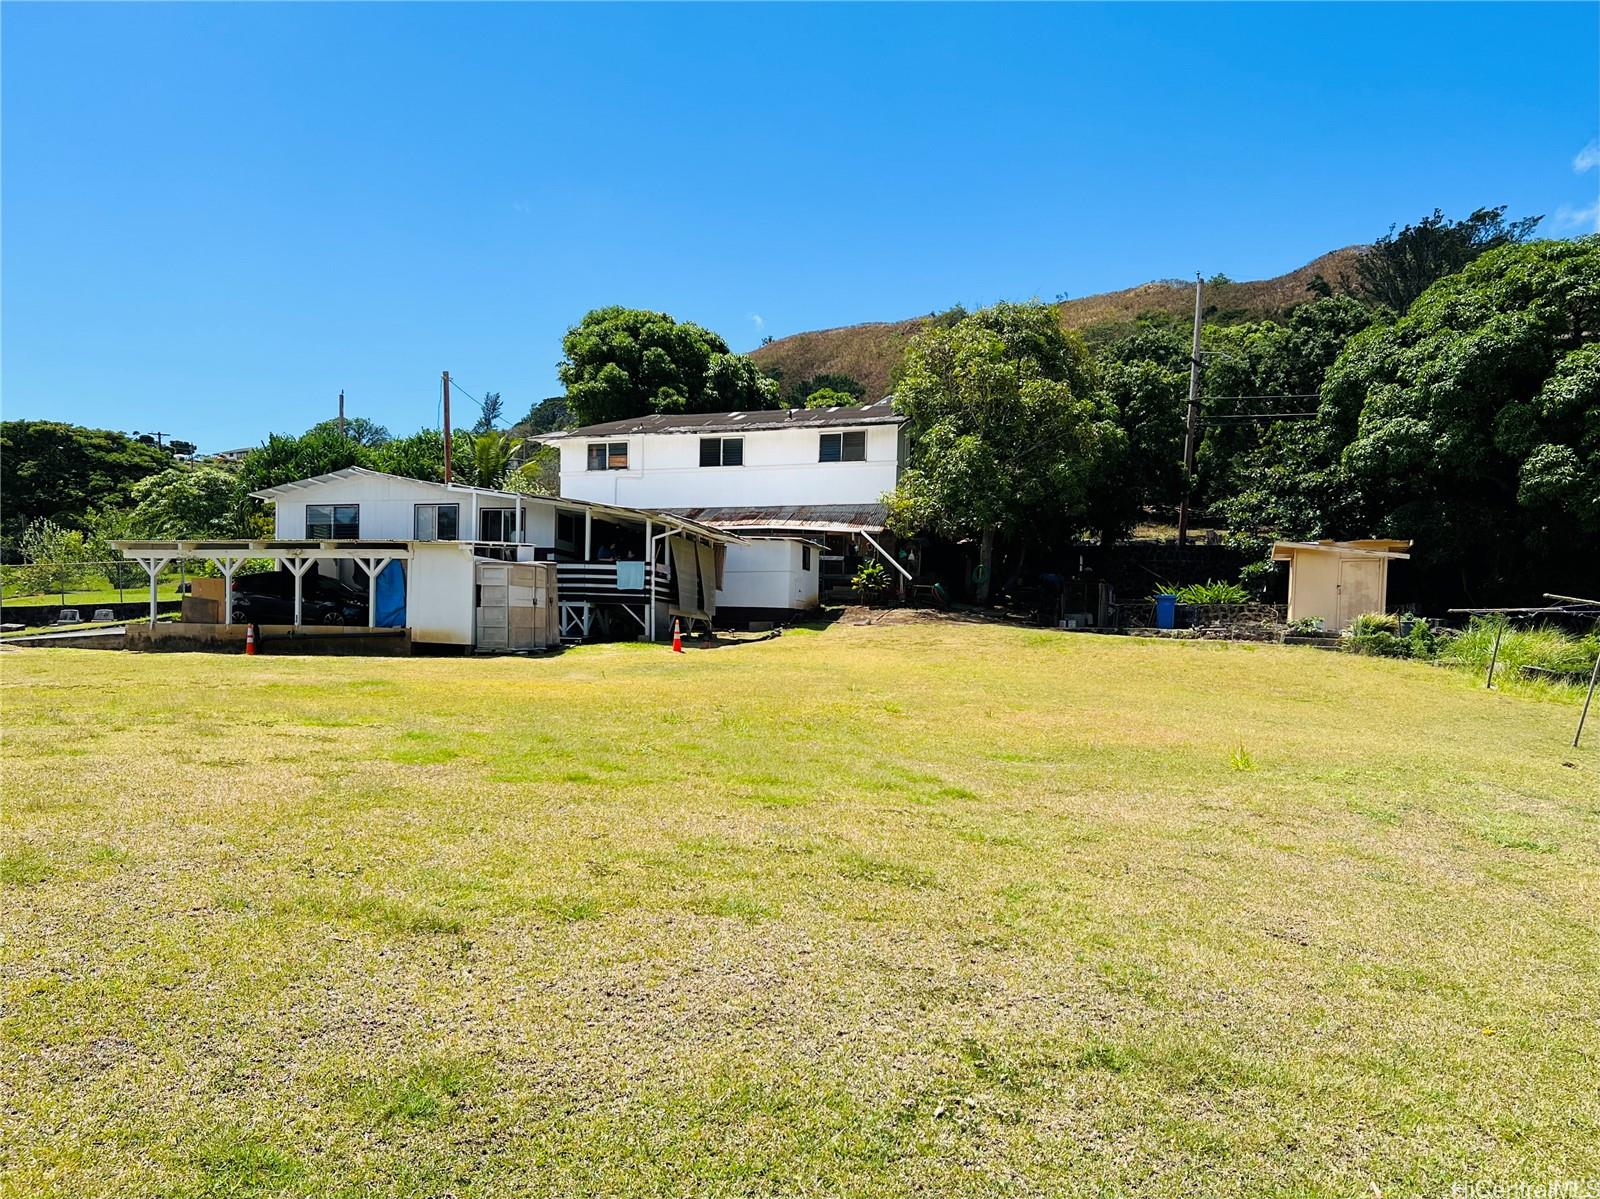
[139, 592]
[931, 910]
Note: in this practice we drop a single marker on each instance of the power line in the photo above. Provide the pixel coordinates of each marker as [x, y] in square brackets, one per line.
[1308, 395]
[456, 386]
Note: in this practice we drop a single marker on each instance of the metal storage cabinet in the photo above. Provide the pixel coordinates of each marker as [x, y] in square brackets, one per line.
[516, 605]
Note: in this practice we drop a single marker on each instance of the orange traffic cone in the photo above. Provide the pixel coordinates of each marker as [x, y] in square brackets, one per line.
[677, 638]
[250, 639]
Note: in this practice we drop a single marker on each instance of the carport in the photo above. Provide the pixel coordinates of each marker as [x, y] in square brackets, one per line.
[297, 557]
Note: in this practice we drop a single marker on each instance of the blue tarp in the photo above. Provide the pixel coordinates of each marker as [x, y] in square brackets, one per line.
[391, 613]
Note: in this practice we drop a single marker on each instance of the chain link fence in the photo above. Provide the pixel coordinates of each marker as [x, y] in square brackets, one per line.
[90, 579]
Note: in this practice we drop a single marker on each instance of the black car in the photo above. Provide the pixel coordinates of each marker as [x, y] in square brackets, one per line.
[269, 599]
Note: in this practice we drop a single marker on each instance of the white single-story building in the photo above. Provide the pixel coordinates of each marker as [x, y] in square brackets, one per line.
[770, 578]
[420, 549]
[1336, 581]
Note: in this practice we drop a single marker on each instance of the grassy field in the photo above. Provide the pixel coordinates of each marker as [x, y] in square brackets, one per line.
[889, 911]
[137, 592]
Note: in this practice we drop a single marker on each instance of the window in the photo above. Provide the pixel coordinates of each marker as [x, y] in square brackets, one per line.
[843, 447]
[805, 557]
[437, 522]
[608, 455]
[569, 528]
[497, 524]
[722, 451]
[333, 522]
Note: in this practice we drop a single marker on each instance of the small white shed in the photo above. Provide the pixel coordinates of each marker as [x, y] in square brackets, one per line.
[1338, 580]
[770, 578]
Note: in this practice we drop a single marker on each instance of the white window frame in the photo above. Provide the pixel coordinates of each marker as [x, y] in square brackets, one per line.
[609, 449]
[841, 434]
[333, 522]
[722, 451]
[433, 509]
[508, 524]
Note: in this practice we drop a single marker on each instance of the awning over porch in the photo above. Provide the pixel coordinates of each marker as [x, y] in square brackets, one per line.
[809, 518]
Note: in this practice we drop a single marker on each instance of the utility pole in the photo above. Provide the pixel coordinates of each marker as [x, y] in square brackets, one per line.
[447, 426]
[1193, 422]
[341, 414]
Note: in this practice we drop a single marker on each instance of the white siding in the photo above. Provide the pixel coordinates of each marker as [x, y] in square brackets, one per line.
[780, 468]
[766, 572]
[439, 593]
[388, 508]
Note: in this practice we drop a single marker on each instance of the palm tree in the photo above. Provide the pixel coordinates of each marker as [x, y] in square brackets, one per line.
[486, 456]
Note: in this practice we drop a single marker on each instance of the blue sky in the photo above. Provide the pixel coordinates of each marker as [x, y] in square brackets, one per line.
[217, 216]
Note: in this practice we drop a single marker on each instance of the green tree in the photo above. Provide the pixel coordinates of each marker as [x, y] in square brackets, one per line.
[62, 472]
[540, 474]
[419, 456]
[546, 416]
[827, 397]
[358, 429]
[54, 558]
[1141, 470]
[627, 362]
[484, 459]
[1006, 435]
[186, 501]
[1399, 267]
[490, 412]
[828, 381]
[284, 458]
[1475, 421]
[1244, 465]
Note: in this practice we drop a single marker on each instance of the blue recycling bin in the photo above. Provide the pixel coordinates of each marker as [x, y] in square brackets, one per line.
[1166, 611]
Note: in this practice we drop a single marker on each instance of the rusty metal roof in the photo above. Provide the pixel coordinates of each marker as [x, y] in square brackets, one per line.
[880, 412]
[814, 518]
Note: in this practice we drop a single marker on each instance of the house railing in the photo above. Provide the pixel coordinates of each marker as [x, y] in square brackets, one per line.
[583, 587]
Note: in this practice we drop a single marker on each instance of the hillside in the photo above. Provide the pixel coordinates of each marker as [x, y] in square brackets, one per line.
[870, 352]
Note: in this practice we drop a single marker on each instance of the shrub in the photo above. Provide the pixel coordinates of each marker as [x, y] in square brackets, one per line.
[1306, 626]
[1373, 622]
[1422, 640]
[871, 581]
[1380, 644]
[1543, 647]
[1211, 592]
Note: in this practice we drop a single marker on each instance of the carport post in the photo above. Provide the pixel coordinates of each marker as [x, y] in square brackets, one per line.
[373, 567]
[298, 567]
[152, 567]
[227, 566]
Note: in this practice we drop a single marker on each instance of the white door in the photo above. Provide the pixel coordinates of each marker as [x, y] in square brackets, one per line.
[1360, 587]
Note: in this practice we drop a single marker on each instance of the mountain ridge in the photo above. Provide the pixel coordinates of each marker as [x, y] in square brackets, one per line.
[871, 350]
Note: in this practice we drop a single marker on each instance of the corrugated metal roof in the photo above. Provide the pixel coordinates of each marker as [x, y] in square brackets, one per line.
[881, 412]
[687, 523]
[815, 518]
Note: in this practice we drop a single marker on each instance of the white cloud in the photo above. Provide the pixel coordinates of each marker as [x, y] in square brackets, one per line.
[1587, 219]
[1588, 158]
[760, 324]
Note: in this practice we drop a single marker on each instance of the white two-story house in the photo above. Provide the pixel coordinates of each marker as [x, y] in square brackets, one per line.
[812, 476]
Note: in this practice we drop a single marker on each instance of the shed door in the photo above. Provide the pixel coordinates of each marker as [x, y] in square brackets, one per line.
[1360, 587]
